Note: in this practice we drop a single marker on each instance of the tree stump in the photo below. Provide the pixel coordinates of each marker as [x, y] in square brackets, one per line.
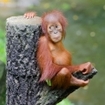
[23, 71]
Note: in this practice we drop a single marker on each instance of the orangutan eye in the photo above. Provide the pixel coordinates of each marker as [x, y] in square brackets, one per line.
[56, 26]
[50, 27]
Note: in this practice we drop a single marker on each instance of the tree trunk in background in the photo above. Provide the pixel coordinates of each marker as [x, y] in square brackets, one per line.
[23, 73]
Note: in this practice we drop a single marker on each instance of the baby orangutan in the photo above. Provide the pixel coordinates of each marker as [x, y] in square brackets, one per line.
[54, 60]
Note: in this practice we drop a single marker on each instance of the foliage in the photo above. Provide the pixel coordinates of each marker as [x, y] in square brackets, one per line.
[2, 50]
[2, 46]
[65, 102]
[2, 60]
[2, 83]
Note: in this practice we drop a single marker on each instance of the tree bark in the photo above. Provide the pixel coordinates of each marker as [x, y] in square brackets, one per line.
[23, 72]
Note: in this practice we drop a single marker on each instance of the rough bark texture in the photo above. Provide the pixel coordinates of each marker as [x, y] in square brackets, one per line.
[23, 72]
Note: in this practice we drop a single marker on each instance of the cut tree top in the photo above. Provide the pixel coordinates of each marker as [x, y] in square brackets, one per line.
[21, 20]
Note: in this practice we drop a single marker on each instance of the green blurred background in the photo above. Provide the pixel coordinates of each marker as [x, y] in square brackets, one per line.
[85, 39]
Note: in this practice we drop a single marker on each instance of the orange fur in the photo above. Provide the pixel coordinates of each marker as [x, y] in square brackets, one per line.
[54, 60]
[48, 68]
[48, 61]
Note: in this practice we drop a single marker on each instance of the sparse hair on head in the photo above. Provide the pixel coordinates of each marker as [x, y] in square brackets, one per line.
[53, 16]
